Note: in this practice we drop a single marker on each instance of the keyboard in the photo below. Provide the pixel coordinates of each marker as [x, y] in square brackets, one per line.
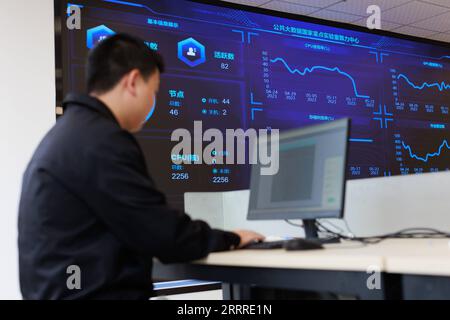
[266, 245]
[292, 244]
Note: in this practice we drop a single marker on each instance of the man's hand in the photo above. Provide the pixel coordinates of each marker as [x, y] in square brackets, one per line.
[248, 237]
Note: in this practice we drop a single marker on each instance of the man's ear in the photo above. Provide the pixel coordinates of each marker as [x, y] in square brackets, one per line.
[131, 81]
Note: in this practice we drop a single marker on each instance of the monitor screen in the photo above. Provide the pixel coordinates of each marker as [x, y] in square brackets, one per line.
[234, 67]
[310, 182]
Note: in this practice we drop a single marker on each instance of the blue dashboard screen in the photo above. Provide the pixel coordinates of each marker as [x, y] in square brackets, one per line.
[234, 68]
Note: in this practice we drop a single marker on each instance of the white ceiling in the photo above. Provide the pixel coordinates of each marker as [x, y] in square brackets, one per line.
[422, 18]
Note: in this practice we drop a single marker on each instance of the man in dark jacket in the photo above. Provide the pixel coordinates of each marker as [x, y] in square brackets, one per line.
[88, 204]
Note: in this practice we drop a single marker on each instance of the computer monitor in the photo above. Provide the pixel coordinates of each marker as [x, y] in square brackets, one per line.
[310, 182]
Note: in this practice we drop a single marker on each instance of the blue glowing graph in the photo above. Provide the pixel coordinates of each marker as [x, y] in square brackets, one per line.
[441, 86]
[427, 157]
[126, 3]
[312, 69]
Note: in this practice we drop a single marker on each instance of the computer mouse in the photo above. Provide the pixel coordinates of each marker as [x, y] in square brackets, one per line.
[302, 244]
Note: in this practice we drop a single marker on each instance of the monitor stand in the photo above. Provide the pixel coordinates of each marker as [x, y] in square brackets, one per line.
[311, 233]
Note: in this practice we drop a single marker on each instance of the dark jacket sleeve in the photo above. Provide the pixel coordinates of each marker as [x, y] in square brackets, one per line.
[125, 199]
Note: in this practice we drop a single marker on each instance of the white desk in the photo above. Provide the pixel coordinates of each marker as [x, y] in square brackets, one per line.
[409, 268]
[416, 256]
[424, 266]
[348, 256]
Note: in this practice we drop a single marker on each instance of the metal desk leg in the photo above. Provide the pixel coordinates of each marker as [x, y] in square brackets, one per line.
[232, 291]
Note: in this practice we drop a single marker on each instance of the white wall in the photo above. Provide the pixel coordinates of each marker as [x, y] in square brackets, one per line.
[27, 98]
[372, 206]
[228, 211]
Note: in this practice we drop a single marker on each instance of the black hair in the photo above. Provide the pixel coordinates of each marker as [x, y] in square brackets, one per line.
[114, 57]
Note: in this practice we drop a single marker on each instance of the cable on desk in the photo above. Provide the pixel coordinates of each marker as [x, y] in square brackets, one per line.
[408, 233]
[302, 226]
[332, 233]
[294, 224]
[339, 229]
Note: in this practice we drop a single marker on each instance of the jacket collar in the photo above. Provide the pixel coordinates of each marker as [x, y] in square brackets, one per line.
[90, 102]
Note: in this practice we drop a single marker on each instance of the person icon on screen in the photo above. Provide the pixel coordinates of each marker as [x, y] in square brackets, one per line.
[192, 52]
